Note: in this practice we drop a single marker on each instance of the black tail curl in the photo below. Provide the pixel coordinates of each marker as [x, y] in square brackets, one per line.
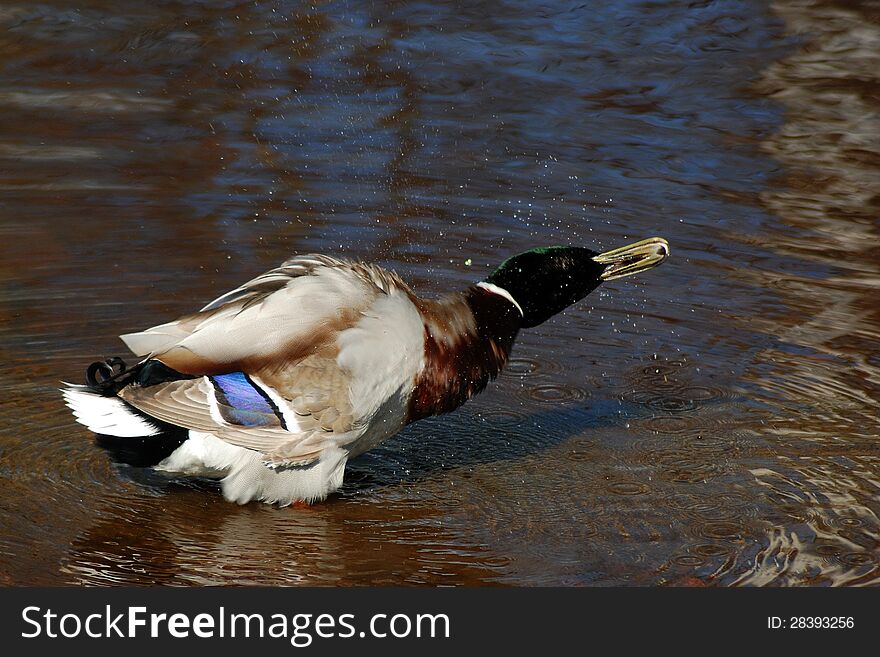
[108, 377]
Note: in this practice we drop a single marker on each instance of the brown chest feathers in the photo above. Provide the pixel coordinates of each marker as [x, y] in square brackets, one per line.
[468, 337]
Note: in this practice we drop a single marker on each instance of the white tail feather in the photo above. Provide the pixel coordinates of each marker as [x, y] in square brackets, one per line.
[106, 415]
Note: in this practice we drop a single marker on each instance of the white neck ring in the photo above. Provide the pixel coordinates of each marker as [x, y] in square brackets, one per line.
[501, 292]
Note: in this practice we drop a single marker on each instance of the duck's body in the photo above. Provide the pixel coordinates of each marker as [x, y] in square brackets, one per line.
[275, 385]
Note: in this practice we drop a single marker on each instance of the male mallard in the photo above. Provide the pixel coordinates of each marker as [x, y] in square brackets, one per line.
[273, 386]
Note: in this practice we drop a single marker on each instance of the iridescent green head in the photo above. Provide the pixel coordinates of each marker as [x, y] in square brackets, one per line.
[548, 280]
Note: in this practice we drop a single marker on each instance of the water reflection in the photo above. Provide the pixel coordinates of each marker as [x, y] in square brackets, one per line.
[820, 374]
[206, 542]
[713, 424]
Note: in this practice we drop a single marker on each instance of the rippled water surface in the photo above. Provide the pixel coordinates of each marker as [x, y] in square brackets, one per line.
[713, 422]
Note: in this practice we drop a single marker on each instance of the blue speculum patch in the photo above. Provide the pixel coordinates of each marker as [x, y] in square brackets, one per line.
[240, 402]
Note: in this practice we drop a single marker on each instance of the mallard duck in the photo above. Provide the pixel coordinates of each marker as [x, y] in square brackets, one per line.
[272, 387]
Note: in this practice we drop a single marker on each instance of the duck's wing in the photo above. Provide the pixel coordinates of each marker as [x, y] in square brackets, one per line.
[292, 362]
[277, 317]
[291, 416]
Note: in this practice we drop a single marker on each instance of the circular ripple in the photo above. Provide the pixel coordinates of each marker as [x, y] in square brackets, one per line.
[828, 551]
[684, 471]
[719, 508]
[493, 562]
[524, 366]
[688, 560]
[668, 404]
[798, 511]
[503, 418]
[702, 394]
[553, 393]
[665, 401]
[850, 522]
[682, 501]
[711, 511]
[639, 396]
[581, 454]
[660, 370]
[722, 530]
[669, 424]
[707, 443]
[710, 550]
[670, 396]
[628, 488]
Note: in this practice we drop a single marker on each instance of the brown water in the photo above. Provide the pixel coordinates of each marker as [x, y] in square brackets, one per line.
[712, 423]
